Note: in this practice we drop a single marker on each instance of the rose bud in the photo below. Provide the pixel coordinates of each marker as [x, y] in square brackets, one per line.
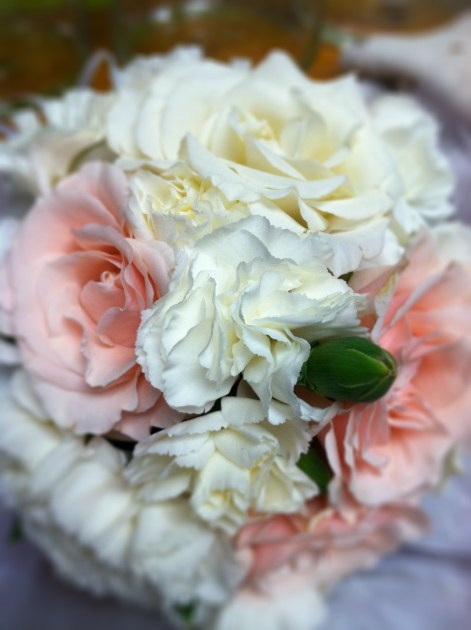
[352, 369]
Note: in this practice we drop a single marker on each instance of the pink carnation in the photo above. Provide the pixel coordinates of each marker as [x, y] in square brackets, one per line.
[396, 448]
[74, 286]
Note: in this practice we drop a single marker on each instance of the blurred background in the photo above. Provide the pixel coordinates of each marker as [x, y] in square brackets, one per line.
[44, 44]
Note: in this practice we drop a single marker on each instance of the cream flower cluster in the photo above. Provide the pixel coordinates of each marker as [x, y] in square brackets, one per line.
[194, 234]
[254, 315]
[230, 461]
[141, 550]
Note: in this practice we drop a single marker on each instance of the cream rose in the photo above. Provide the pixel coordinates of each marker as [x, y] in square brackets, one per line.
[178, 206]
[268, 137]
[231, 462]
[246, 300]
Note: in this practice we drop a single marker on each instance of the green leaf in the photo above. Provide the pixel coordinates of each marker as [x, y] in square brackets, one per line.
[16, 533]
[314, 464]
[187, 613]
[346, 276]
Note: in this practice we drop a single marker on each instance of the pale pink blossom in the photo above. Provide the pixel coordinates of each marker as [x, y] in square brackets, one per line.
[316, 549]
[73, 286]
[398, 447]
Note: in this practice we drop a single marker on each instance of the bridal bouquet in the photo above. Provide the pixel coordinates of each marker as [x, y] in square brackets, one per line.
[235, 335]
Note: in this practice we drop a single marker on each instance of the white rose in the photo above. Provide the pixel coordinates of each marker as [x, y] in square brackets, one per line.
[178, 206]
[231, 462]
[269, 137]
[144, 90]
[247, 300]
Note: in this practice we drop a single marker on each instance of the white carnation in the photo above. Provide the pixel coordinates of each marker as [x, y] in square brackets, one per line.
[9, 353]
[412, 136]
[78, 564]
[246, 300]
[288, 598]
[231, 462]
[62, 484]
[452, 240]
[45, 147]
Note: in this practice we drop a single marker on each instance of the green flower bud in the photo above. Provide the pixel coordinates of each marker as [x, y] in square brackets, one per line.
[352, 369]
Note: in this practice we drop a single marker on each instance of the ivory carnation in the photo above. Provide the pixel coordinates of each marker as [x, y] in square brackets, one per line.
[452, 241]
[154, 549]
[74, 285]
[287, 599]
[246, 300]
[412, 137]
[180, 206]
[231, 462]
[47, 144]
[8, 352]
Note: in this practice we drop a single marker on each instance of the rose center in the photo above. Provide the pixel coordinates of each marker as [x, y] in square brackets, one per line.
[108, 277]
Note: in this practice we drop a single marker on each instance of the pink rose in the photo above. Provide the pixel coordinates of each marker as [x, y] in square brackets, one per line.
[323, 545]
[396, 448]
[78, 282]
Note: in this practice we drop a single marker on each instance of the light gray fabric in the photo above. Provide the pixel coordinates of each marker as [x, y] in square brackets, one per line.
[33, 598]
